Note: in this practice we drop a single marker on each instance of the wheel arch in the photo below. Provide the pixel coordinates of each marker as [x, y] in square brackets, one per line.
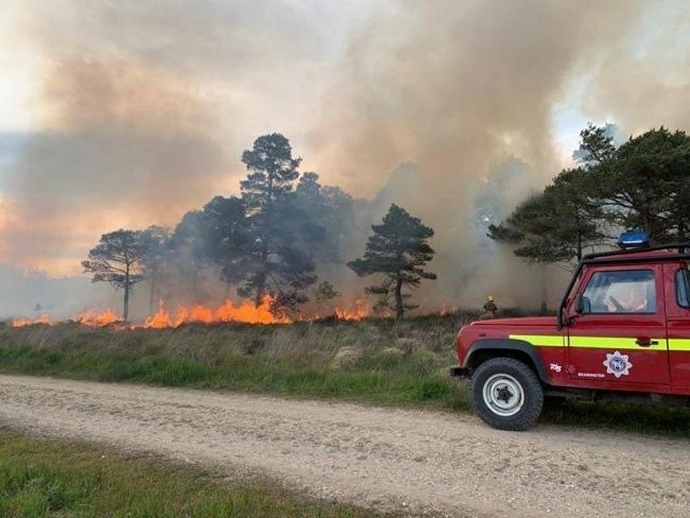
[485, 349]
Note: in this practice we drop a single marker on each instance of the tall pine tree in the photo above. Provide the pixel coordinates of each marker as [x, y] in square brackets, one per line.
[396, 252]
[273, 261]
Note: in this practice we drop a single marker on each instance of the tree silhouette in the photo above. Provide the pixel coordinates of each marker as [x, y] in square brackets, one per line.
[120, 259]
[396, 252]
[644, 183]
[155, 259]
[274, 260]
[329, 218]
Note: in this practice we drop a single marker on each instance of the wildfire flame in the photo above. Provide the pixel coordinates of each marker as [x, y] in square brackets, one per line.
[93, 318]
[245, 312]
[21, 322]
[447, 308]
[228, 312]
[357, 311]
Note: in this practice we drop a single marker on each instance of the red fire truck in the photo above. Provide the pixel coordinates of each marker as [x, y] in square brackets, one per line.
[622, 330]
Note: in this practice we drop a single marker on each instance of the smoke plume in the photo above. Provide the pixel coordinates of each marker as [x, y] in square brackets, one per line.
[143, 111]
[460, 90]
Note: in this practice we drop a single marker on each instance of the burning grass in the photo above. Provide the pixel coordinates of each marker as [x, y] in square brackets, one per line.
[242, 312]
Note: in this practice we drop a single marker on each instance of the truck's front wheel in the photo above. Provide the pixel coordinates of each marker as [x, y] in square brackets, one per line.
[507, 394]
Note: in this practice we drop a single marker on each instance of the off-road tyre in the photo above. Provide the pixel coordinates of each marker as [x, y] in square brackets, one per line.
[506, 394]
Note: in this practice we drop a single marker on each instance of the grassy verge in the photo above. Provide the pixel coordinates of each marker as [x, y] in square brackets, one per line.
[381, 362]
[377, 361]
[41, 478]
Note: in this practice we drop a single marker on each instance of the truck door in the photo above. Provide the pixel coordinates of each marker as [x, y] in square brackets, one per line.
[678, 324]
[620, 337]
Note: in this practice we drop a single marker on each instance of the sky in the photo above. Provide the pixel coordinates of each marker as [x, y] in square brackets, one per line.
[125, 113]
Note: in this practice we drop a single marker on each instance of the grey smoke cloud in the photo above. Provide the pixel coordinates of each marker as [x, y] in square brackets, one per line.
[643, 82]
[142, 112]
[458, 87]
[122, 145]
[145, 108]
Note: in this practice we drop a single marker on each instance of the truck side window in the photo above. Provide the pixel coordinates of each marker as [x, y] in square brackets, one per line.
[683, 288]
[622, 291]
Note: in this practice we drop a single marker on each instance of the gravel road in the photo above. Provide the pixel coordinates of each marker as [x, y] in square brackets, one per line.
[424, 462]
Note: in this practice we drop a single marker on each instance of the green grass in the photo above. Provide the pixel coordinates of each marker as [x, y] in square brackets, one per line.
[371, 361]
[379, 361]
[41, 478]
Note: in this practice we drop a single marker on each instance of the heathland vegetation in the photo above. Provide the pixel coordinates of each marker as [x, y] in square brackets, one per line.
[271, 241]
[377, 361]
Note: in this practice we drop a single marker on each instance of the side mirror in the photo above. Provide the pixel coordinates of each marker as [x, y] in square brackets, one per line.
[582, 304]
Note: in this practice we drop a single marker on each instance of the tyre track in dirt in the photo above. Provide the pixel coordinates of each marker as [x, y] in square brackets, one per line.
[423, 462]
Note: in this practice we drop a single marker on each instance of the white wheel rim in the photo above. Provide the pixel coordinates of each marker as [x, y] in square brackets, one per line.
[503, 395]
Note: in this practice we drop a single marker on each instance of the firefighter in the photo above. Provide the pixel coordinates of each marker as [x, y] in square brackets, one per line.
[490, 308]
[634, 301]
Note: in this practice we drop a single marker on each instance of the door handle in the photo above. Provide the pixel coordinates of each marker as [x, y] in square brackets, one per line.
[646, 342]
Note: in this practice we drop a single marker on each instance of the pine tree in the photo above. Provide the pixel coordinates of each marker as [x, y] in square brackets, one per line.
[120, 258]
[396, 252]
[273, 262]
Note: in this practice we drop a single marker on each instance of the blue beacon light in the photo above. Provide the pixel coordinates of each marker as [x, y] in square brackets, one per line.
[633, 239]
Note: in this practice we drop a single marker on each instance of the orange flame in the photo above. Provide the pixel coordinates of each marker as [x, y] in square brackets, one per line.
[228, 312]
[21, 322]
[95, 319]
[357, 311]
[247, 312]
[244, 312]
[447, 308]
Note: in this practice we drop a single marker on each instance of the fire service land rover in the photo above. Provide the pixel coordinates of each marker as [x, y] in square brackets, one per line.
[621, 330]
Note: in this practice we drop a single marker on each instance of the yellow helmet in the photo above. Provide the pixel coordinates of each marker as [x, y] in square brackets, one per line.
[490, 298]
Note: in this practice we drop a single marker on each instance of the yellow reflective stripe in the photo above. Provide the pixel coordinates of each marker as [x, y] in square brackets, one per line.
[602, 342]
[614, 342]
[678, 344]
[541, 340]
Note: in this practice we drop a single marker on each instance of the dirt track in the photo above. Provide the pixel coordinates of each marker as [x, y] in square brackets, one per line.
[421, 461]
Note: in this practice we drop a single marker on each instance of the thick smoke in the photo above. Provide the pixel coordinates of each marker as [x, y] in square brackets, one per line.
[122, 146]
[143, 113]
[460, 90]
[438, 106]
